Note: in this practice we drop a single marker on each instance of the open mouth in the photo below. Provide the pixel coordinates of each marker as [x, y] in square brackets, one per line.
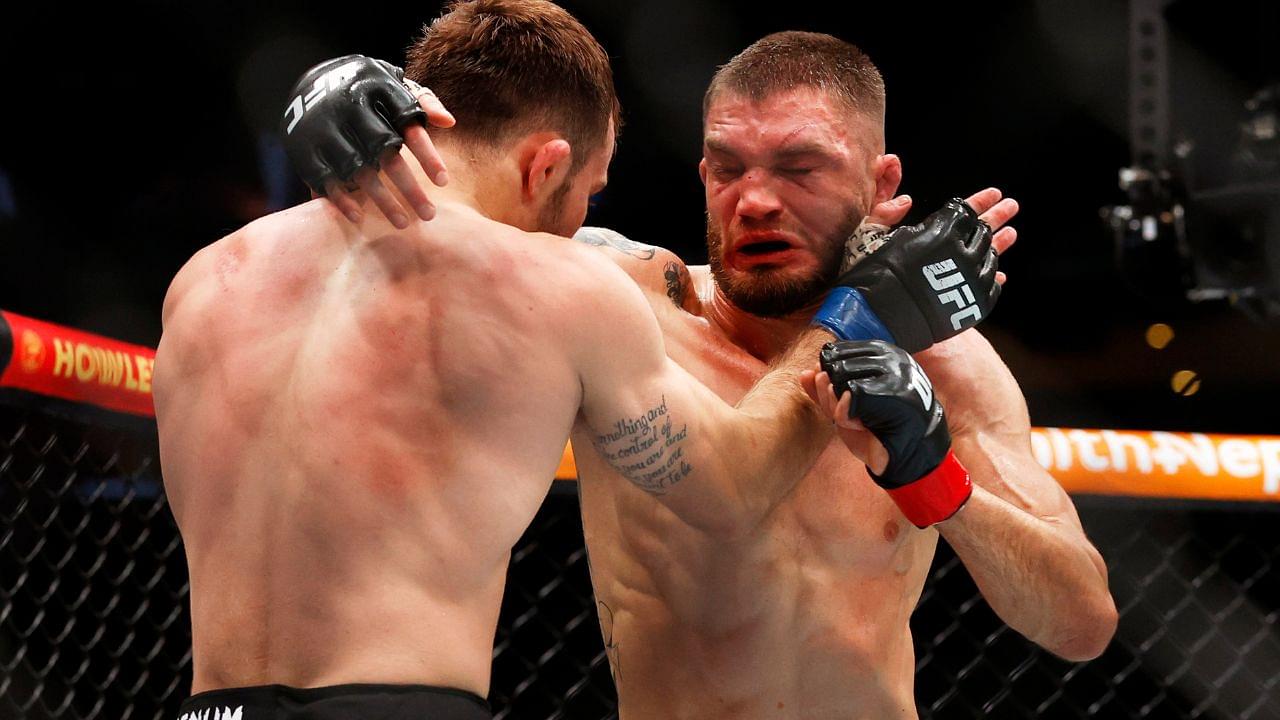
[760, 254]
[764, 248]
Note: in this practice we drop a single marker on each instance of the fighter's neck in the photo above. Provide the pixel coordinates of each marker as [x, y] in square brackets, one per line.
[472, 184]
[764, 338]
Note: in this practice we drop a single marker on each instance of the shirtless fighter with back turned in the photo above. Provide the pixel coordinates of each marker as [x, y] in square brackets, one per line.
[804, 613]
[357, 422]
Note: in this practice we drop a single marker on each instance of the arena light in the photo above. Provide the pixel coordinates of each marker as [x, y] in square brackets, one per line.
[1202, 220]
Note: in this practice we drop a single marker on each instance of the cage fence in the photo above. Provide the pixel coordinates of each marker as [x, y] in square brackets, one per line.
[94, 618]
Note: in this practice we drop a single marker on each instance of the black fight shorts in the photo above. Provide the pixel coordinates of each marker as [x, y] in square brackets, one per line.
[336, 702]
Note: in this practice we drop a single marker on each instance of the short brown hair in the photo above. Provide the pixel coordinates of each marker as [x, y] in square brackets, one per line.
[788, 60]
[508, 67]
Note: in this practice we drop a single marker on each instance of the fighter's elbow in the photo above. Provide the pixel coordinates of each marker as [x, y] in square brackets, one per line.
[1090, 630]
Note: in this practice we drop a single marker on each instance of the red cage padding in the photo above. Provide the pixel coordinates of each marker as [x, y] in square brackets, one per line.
[61, 362]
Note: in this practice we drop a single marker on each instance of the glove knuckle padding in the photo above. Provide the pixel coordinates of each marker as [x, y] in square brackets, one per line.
[402, 113]
[369, 122]
[396, 72]
[894, 400]
[981, 239]
[877, 384]
[342, 117]
[371, 132]
[954, 221]
[848, 356]
[341, 157]
[855, 371]
[989, 264]
[390, 101]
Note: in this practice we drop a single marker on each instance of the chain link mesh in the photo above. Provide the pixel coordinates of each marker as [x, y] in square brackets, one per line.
[1197, 591]
[94, 620]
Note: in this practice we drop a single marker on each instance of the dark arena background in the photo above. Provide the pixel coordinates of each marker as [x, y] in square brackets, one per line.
[1142, 140]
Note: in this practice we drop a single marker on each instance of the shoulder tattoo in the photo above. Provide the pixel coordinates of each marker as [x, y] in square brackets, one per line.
[678, 281]
[603, 237]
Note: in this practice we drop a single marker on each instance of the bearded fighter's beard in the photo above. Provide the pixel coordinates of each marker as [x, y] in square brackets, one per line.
[775, 292]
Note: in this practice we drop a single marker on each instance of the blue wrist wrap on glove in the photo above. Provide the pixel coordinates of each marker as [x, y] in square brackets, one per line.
[847, 314]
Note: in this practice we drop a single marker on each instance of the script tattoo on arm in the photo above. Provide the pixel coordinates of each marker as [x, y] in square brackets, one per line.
[646, 449]
[602, 237]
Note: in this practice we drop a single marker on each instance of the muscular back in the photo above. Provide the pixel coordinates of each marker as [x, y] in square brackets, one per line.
[356, 425]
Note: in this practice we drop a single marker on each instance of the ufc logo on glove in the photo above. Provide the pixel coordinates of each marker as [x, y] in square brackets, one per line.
[331, 80]
[952, 288]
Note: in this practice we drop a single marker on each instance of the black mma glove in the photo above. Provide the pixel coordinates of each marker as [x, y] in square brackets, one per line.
[926, 284]
[343, 115]
[893, 398]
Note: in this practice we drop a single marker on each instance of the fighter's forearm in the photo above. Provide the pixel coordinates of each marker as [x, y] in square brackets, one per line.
[783, 430]
[721, 468]
[1041, 577]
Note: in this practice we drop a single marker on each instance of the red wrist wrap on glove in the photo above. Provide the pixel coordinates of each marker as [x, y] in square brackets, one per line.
[936, 496]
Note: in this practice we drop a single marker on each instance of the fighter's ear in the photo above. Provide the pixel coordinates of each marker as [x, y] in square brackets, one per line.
[545, 164]
[887, 170]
